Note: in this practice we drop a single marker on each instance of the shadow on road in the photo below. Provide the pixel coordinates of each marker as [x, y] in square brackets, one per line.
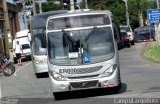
[92, 93]
[72, 95]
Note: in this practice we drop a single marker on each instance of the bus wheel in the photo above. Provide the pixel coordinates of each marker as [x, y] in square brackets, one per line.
[119, 80]
[42, 75]
[132, 42]
[37, 75]
[117, 88]
[56, 95]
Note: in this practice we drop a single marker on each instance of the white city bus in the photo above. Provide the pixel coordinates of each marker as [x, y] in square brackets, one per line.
[37, 30]
[82, 51]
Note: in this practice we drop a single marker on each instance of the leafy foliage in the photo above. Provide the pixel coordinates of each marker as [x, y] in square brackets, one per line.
[50, 6]
[117, 7]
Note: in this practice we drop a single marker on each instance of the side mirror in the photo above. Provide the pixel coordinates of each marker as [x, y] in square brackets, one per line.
[43, 41]
[115, 36]
[29, 36]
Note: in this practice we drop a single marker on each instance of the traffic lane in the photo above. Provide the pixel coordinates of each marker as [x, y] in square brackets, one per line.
[142, 76]
[27, 85]
[126, 59]
[24, 83]
[51, 101]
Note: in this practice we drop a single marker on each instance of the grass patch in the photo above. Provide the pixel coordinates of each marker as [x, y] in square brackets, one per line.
[152, 51]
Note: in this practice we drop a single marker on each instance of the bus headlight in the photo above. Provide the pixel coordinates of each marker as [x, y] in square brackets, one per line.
[57, 76]
[109, 71]
[38, 61]
[41, 61]
[44, 60]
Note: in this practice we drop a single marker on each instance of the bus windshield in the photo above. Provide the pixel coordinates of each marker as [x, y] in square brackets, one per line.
[70, 47]
[37, 34]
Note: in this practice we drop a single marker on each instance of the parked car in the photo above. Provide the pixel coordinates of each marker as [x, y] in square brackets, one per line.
[145, 33]
[125, 38]
[129, 32]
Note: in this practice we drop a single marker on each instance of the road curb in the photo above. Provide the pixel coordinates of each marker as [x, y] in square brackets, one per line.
[17, 69]
[145, 57]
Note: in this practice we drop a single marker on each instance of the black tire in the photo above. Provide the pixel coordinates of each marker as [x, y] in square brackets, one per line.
[12, 68]
[120, 45]
[57, 96]
[37, 75]
[9, 70]
[128, 45]
[120, 83]
[42, 75]
[132, 42]
[117, 88]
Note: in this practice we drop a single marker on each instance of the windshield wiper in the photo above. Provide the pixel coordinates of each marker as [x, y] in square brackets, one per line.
[66, 34]
[69, 39]
[91, 33]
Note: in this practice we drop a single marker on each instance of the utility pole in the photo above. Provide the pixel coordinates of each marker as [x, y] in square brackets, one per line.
[6, 26]
[34, 7]
[72, 5]
[127, 15]
[157, 3]
[86, 4]
[61, 4]
[25, 14]
[158, 36]
[40, 6]
[140, 16]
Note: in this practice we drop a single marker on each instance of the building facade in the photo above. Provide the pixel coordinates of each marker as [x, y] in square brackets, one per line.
[13, 23]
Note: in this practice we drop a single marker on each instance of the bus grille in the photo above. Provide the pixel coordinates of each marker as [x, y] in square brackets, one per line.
[89, 70]
[84, 84]
[80, 70]
[81, 77]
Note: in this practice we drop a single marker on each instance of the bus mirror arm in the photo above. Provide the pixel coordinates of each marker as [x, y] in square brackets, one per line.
[43, 41]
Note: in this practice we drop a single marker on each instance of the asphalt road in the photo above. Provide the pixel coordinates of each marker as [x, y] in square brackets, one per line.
[140, 79]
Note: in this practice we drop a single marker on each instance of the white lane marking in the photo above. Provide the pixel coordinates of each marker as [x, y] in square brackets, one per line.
[21, 68]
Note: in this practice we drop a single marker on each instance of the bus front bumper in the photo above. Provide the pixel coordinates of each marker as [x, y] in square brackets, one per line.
[40, 68]
[81, 84]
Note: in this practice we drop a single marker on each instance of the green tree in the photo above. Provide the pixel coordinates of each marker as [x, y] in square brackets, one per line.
[82, 4]
[98, 4]
[50, 5]
[118, 10]
[139, 8]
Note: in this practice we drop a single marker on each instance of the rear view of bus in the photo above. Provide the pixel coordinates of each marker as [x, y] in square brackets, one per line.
[38, 30]
[82, 52]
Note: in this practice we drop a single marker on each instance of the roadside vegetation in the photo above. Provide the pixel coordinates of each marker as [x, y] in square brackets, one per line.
[137, 8]
[152, 52]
